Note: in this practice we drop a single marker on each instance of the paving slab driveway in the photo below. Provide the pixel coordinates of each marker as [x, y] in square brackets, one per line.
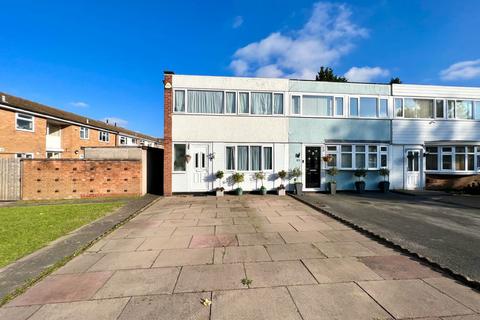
[443, 228]
[253, 257]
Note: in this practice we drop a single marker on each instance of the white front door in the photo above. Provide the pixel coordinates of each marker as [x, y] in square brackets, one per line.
[413, 170]
[199, 167]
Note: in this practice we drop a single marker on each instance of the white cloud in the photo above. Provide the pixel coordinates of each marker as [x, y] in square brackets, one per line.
[112, 120]
[366, 74]
[237, 22]
[326, 37]
[463, 70]
[79, 104]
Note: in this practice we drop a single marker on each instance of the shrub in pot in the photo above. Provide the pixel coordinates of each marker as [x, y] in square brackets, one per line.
[219, 190]
[332, 184]
[238, 178]
[281, 188]
[360, 184]
[295, 174]
[261, 176]
[384, 185]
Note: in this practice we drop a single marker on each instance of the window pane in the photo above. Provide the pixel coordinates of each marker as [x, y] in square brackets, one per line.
[446, 162]
[354, 107]
[372, 160]
[460, 162]
[231, 105]
[439, 108]
[477, 110]
[460, 149]
[418, 108]
[398, 107]
[359, 160]
[256, 158]
[317, 106]
[383, 160]
[295, 104]
[179, 152]
[372, 148]
[432, 161]
[451, 109]
[205, 101]
[278, 103]
[360, 148]
[332, 148]
[432, 149]
[230, 156]
[261, 103]
[339, 106]
[24, 122]
[346, 160]
[383, 110]
[242, 160]
[464, 109]
[179, 101]
[267, 158]
[243, 102]
[471, 162]
[368, 107]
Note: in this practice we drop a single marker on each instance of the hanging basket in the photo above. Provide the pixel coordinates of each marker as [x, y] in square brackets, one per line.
[188, 158]
[328, 158]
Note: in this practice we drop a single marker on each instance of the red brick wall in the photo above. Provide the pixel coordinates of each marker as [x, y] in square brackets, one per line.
[167, 136]
[71, 141]
[74, 179]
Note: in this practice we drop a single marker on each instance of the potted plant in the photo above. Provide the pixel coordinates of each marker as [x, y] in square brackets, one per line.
[385, 184]
[219, 190]
[360, 184]
[281, 188]
[297, 173]
[261, 176]
[237, 178]
[332, 185]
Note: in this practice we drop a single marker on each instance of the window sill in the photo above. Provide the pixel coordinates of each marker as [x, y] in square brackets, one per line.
[452, 173]
[24, 130]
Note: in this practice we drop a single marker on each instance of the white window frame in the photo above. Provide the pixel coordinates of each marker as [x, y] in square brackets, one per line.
[445, 108]
[249, 145]
[453, 153]
[354, 167]
[24, 115]
[85, 130]
[120, 138]
[299, 114]
[174, 101]
[53, 152]
[103, 133]
[173, 157]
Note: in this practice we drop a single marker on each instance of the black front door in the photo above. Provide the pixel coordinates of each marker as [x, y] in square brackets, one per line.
[312, 167]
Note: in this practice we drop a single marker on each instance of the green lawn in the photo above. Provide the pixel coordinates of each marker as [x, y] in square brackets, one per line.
[25, 229]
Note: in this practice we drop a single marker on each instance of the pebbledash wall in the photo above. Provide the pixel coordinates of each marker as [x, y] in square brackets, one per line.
[413, 130]
[75, 179]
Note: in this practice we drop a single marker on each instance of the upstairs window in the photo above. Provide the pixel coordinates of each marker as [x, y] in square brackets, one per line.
[230, 103]
[261, 103]
[317, 106]
[383, 108]
[103, 136]
[278, 103]
[339, 111]
[24, 122]
[84, 133]
[439, 109]
[123, 140]
[368, 107]
[205, 101]
[179, 101]
[398, 107]
[295, 105]
[354, 107]
[417, 108]
[460, 109]
[243, 102]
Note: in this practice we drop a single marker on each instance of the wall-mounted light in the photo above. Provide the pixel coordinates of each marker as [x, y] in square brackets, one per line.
[297, 155]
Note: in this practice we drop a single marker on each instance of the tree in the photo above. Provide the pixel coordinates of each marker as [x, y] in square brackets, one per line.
[326, 74]
[395, 80]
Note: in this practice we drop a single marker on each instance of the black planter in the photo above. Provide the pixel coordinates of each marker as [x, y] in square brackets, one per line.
[384, 186]
[298, 188]
[360, 186]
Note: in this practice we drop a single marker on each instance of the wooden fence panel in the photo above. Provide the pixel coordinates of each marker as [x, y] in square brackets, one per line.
[9, 179]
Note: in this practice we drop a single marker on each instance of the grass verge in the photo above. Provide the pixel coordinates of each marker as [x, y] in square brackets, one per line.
[26, 229]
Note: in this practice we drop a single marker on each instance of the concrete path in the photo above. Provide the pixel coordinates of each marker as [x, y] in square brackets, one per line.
[447, 233]
[253, 257]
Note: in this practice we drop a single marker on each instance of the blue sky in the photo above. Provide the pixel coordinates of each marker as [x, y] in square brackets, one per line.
[105, 59]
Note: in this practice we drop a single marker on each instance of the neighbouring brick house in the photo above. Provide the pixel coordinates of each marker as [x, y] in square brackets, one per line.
[32, 130]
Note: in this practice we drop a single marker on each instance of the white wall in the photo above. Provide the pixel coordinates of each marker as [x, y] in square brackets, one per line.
[396, 167]
[413, 90]
[229, 128]
[229, 83]
[418, 131]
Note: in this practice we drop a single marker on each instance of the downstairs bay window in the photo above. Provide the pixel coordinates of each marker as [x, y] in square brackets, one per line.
[249, 158]
[452, 159]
